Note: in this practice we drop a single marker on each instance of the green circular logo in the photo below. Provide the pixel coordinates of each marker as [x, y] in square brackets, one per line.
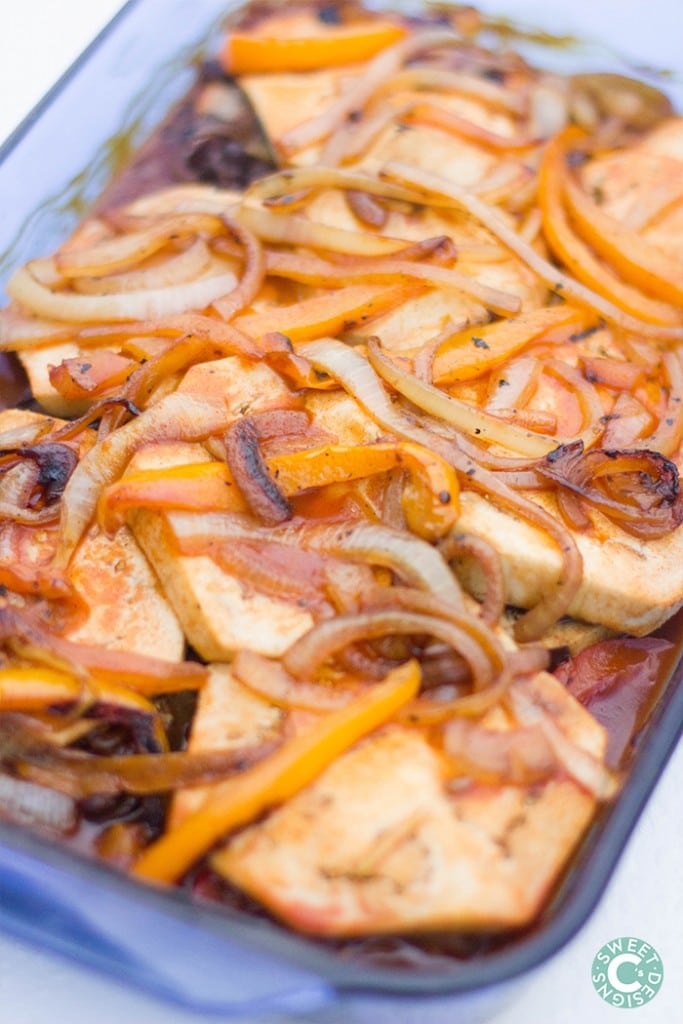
[627, 972]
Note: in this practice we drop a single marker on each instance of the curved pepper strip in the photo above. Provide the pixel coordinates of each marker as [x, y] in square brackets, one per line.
[42, 689]
[430, 497]
[477, 350]
[578, 258]
[333, 46]
[637, 261]
[331, 314]
[293, 766]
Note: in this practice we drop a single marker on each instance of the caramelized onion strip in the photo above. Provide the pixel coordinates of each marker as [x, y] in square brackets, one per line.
[307, 654]
[413, 559]
[253, 274]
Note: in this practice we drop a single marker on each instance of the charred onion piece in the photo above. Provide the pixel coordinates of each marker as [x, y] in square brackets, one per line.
[56, 463]
[81, 775]
[247, 465]
[637, 489]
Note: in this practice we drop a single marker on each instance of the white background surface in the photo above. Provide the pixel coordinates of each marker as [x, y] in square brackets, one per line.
[38, 40]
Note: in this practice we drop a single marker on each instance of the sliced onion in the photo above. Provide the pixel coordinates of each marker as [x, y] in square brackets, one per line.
[470, 420]
[367, 209]
[550, 274]
[28, 516]
[628, 422]
[454, 124]
[81, 775]
[37, 806]
[354, 138]
[589, 402]
[579, 765]
[458, 544]
[176, 417]
[358, 376]
[19, 331]
[28, 433]
[260, 490]
[668, 435]
[419, 77]
[55, 463]
[277, 189]
[17, 484]
[126, 250]
[521, 375]
[295, 231]
[177, 269]
[289, 574]
[139, 672]
[374, 74]
[638, 489]
[307, 654]
[411, 558]
[252, 277]
[270, 680]
[312, 268]
[518, 757]
[173, 326]
[421, 603]
[139, 305]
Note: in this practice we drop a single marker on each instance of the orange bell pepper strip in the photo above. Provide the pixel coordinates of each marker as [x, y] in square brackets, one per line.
[318, 46]
[573, 252]
[200, 487]
[296, 764]
[631, 255]
[477, 350]
[330, 314]
[430, 497]
[31, 688]
[91, 375]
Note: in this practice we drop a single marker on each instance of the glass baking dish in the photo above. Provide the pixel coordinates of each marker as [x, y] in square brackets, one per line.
[212, 958]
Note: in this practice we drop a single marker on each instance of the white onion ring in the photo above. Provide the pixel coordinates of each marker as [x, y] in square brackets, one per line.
[124, 251]
[140, 305]
[295, 231]
[307, 654]
[176, 417]
[176, 269]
